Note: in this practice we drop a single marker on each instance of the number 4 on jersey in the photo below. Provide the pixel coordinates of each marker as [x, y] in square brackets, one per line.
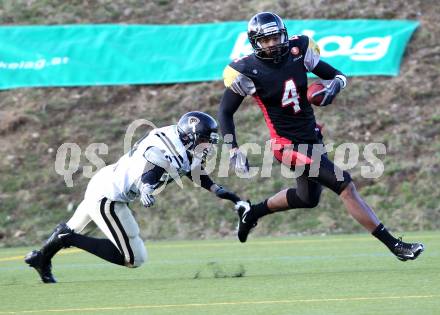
[290, 96]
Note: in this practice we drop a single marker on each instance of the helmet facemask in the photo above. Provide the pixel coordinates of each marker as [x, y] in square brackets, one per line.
[203, 147]
[274, 51]
[266, 24]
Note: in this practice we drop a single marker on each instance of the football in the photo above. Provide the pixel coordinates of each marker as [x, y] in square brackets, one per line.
[313, 88]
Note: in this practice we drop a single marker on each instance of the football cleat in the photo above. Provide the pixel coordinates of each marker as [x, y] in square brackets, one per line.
[407, 251]
[36, 260]
[245, 223]
[40, 260]
[55, 241]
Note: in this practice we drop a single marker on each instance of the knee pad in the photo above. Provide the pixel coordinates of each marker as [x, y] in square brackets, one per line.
[312, 203]
[139, 253]
[295, 202]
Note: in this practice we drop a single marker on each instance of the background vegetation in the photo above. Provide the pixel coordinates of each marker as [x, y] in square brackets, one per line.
[402, 112]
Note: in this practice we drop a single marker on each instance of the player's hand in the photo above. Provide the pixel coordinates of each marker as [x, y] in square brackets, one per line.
[239, 160]
[225, 194]
[330, 91]
[147, 199]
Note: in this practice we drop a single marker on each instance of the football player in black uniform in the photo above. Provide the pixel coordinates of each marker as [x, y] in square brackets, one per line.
[275, 75]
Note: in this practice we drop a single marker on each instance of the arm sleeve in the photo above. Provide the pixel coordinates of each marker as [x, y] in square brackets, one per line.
[327, 72]
[205, 181]
[153, 175]
[228, 106]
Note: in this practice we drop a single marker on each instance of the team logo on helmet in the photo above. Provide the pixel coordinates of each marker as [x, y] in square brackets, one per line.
[193, 122]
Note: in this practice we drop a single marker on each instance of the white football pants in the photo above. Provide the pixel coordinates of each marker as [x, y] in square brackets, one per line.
[116, 221]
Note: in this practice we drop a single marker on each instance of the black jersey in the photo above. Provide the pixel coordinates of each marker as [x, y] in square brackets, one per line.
[280, 89]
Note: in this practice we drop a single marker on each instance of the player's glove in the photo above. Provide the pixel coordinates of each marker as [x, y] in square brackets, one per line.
[331, 90]
[225, 194]
[239, 160]
[147, 199]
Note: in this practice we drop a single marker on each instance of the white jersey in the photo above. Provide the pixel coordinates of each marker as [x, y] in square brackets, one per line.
[122, 181]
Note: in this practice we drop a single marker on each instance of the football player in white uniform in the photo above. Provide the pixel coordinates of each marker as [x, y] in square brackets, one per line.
[163, 155]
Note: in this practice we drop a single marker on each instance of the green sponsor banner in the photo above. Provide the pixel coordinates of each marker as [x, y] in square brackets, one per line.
[77, 55]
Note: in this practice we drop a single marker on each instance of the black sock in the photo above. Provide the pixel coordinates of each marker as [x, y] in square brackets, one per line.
[100, 247]
[259, 210]
[382, 234]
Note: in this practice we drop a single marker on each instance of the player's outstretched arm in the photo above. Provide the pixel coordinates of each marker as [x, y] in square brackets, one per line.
[223, 193]
[203, 180]
[207, 183]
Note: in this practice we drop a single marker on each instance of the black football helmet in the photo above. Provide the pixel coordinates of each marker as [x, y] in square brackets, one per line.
[266, 24]
[197, 128]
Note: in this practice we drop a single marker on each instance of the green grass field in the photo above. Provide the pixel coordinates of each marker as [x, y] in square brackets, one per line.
[347, 274]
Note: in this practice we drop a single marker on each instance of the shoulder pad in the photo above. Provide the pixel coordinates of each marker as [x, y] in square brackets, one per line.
[312, 45]
[238, 82]
[240, 64]
[312, 54]
[157, 157]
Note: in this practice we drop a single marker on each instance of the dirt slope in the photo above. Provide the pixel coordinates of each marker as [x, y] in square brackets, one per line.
[401, 112]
